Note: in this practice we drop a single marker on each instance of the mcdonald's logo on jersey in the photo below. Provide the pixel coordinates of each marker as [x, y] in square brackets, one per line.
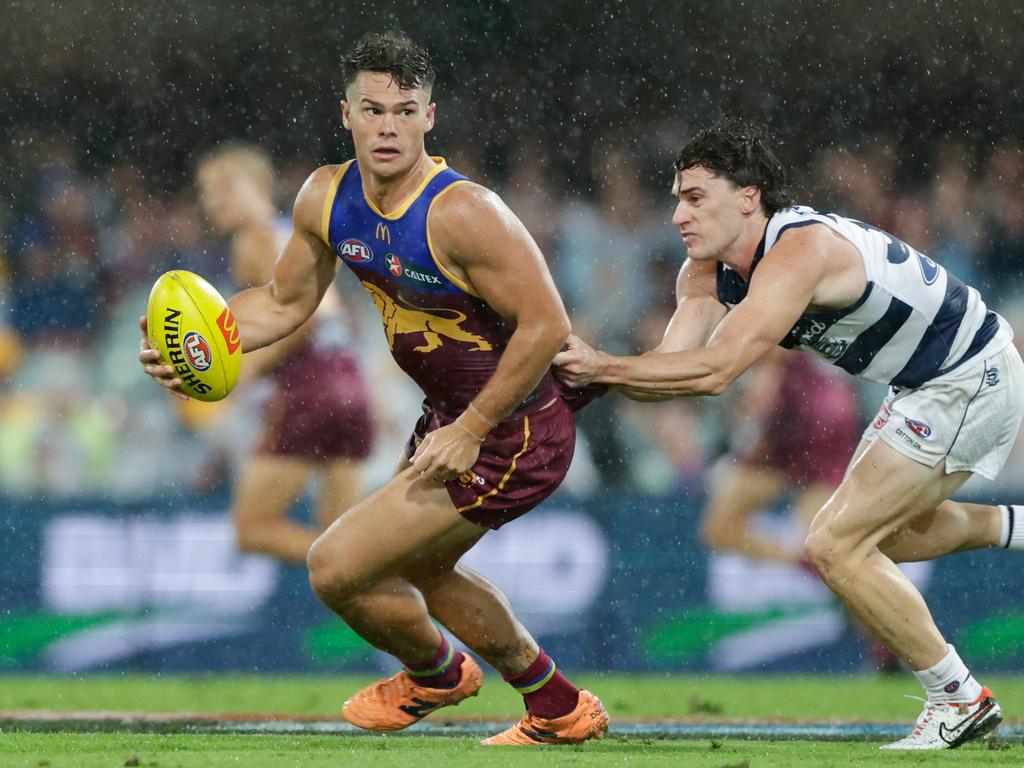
[383, 233]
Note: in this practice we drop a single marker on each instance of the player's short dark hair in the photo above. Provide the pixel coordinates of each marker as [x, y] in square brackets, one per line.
[391, 52]
[740, 151]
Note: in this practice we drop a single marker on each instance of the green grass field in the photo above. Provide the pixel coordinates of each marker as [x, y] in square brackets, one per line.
[710, 699]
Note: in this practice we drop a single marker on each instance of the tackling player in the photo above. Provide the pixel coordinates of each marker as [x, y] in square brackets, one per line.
[317, 419]
[761, 271]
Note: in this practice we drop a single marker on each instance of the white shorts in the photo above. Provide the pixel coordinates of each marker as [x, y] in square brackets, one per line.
[969, 417]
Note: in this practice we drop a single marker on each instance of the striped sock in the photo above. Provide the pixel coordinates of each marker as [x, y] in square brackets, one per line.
[545, 690]
[442, 670]
[1012, 534]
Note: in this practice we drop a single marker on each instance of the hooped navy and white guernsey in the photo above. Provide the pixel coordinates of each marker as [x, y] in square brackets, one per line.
[914, 321]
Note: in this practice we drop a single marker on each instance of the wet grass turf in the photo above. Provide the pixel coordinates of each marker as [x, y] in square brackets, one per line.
[185, 751]
[627, 697]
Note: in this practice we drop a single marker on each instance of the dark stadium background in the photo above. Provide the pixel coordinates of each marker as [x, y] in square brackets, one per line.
[158, 80]
[909, 115]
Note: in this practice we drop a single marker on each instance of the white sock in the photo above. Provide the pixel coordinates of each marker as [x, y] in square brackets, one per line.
[1011, 535]
[949, 680]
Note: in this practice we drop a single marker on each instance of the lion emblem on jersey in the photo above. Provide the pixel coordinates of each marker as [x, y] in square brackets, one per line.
[403, 318]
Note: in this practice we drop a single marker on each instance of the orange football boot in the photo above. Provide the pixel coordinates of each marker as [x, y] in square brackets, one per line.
[398, 701]
[588, 721]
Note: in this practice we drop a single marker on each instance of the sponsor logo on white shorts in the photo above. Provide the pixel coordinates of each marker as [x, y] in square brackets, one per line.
[919, 428]
[907, 438]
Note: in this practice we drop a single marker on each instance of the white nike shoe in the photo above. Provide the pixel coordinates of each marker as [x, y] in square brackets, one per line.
[947, 725]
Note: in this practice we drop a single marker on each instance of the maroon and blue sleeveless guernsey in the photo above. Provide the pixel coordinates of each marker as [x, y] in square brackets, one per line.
[446, 337]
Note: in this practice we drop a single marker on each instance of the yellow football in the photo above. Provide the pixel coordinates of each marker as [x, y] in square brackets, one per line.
[192, 326]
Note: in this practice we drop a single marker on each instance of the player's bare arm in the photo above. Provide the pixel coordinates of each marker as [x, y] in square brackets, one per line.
[790, 278]
[302, 274]
[482, 243]
[698, 311]
[254, 252]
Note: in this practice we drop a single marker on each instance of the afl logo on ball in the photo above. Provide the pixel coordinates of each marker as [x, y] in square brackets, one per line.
[919, 428]
[197, 351]
[354, 250]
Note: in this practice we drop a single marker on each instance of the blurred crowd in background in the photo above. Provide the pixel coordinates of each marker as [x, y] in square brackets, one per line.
[81, 249]
[913, 127]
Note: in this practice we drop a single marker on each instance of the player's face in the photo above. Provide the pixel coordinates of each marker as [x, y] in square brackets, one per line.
[710, 212]
[387, 122]
[228, 194]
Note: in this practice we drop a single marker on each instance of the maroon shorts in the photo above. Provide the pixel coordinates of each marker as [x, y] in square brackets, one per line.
[521, 463]
[811, 433]
[319, 410]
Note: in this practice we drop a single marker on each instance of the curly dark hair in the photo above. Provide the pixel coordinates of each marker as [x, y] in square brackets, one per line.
[391, 52]
[740, 151]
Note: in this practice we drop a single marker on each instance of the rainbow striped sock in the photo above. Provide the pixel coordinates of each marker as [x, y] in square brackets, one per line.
[442, 670]
[545, 690]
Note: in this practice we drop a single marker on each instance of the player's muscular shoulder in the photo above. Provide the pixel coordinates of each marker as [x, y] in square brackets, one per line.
[307, 213]
[464, 218]
[471, 227]
[822, 257]
[697, 279]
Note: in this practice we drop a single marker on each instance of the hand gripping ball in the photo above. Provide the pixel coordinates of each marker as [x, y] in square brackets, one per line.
[193, 328]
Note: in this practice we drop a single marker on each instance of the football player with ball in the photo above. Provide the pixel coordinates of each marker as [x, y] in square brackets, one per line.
[471, 313]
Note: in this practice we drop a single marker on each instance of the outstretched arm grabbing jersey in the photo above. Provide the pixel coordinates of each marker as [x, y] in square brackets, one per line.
[790, 277]
[697, 313]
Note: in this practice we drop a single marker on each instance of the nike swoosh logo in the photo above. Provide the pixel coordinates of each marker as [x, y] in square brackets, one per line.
[420, 708]
[975, 716]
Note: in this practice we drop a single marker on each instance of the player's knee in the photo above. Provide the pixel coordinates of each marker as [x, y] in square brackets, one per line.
[824, 554]
[330, 580]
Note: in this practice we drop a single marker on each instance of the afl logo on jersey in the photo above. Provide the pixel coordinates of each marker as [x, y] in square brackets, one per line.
[354, 250]
[919, 428]
[394, 264]
[197, 351]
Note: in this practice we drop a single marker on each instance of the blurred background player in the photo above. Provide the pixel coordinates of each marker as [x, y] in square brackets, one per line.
[794, 428]
[316, 419]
